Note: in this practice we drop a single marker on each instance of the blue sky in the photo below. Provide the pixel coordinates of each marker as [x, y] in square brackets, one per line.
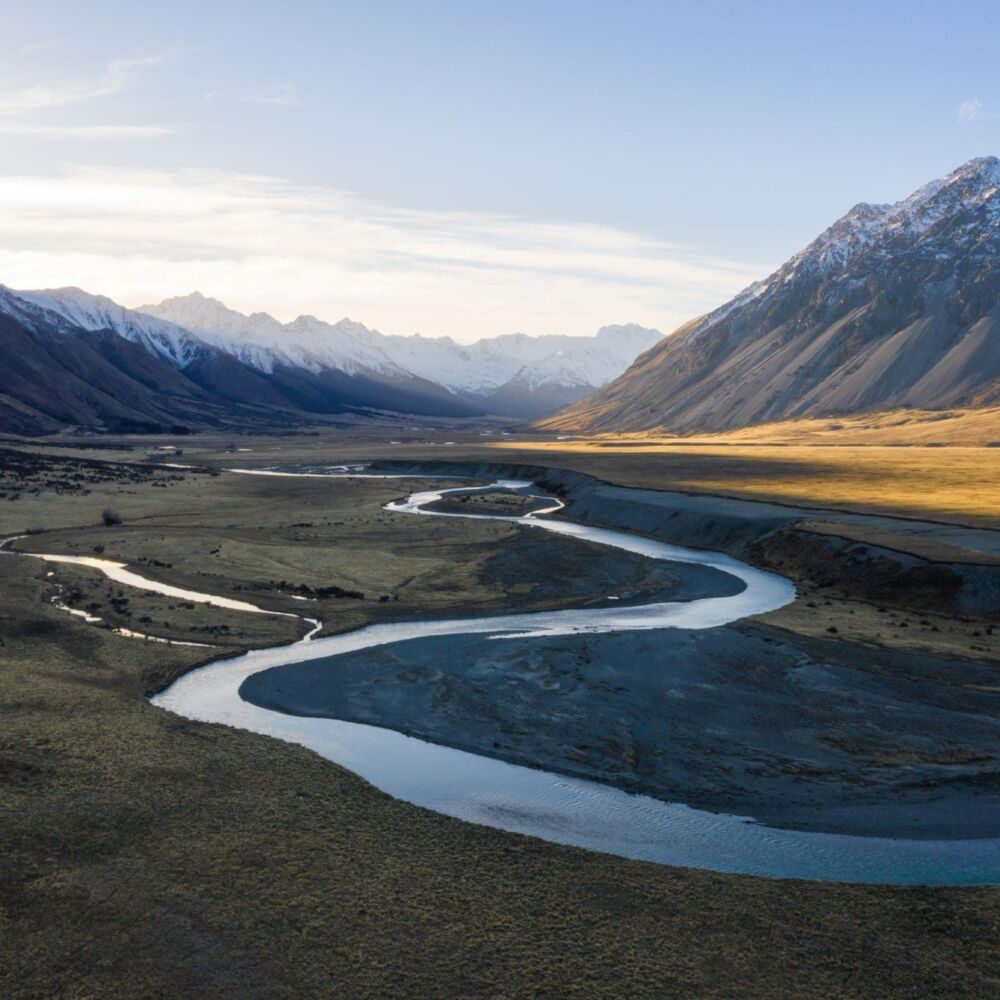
[468, 168]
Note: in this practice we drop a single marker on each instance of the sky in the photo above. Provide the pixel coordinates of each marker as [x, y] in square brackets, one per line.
[468, 169]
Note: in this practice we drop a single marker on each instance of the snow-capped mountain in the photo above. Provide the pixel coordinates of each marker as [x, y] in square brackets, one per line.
[483, 367]
[97, 312]
[69, 357]
[55, 373]
[559, 374]
[524, 375]
[261, 341]
[893, 305]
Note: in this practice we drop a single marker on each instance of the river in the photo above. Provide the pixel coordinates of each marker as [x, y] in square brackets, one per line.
[565, 810]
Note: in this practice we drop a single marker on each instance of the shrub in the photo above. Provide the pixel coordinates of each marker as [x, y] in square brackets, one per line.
[110, 517]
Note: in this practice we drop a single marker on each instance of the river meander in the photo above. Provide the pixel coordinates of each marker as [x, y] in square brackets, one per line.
[587, 814]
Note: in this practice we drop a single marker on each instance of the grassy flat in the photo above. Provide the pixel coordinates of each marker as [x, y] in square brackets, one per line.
[952, 484]
[958, 483]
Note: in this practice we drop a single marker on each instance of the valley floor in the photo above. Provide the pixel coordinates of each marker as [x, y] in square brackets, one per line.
[147, 855]
[954, 484]
[936, 478]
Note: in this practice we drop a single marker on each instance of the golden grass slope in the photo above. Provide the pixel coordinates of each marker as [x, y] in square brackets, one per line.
[960, 485]
[901, 427]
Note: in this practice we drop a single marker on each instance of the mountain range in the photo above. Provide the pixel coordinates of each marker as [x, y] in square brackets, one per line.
[72, 359]
[895, 305]
[510, 375]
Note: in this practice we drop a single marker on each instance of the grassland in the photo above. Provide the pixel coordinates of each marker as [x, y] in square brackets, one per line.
[961, 485]
[151, 856]
[302, 546]
[957, 483]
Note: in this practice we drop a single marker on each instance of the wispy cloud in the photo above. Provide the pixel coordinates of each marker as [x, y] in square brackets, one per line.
[974, 110]
[26, 102]
[262, 243]
[87, 131]
[44, 96]
[279, 94]
[284, 94]
[41, 46]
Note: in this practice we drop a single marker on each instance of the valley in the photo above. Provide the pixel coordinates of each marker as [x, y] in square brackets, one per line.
[273, 541]
[499, 501]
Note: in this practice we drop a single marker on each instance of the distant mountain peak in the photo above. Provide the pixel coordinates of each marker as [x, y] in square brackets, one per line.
[985, 168]
[617, 331]
[200, 299]
[514, 374]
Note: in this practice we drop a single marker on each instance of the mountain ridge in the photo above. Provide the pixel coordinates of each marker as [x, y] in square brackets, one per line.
[891, 305]
[485, 373]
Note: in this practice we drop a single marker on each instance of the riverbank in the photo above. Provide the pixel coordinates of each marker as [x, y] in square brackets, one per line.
[485, 790]
[148, 856]
[914, 585]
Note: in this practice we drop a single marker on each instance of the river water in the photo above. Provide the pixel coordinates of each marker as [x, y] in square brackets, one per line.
[551, 806]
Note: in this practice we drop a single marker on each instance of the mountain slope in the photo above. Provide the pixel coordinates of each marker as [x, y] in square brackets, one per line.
[71, 359]
[316, 366]
[53, 375]
[893, 305]
[97, 312]
[75, 359]
[264, 343]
